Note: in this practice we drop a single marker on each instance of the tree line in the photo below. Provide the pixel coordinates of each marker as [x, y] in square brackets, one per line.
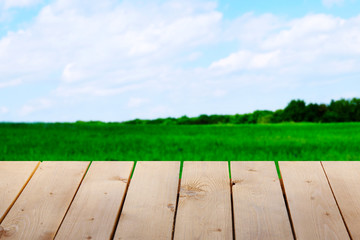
[343, 110]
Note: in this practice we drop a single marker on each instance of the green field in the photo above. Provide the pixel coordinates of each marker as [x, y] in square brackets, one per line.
[86, 141]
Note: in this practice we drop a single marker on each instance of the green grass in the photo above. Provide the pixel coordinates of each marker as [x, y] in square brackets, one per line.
[161, 142]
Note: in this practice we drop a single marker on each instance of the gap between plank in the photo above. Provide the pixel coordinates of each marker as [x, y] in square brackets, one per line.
[21, 190]
[337, 204]
[117, 219]
[176, 208]
[287, 207]
[278, 169]
[285, 199]
[181, 168]
[231, 202]
[77, 189]
[229, 167]
[133, 169]
[232, 208]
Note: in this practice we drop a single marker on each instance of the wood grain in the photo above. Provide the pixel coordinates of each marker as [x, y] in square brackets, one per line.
[40, 208]
[204, 210]
[150, 203]
[313, 208]
[13, 178]
[94, 211]
[258, 203]
[344, 178]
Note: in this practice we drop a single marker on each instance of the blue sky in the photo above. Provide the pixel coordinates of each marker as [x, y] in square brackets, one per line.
[116, 60]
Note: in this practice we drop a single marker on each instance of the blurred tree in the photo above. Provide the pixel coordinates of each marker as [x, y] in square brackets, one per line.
[337, 111]
[260, 116]
[219, 119]
[203, 119]
[295, 111]
[183, 120]
[278, 116]
[355, 109]
[330, 116]
[342, 110]
[314, 112]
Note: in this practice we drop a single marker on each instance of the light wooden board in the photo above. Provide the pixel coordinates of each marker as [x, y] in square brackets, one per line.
[204, 208]
[40, 208]
[13, 178]
[313, 208]
[95, 209]
[150, 203]
[258, 203]
[344, 178]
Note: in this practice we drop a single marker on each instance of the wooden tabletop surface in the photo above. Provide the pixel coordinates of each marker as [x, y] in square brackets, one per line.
[100, 200]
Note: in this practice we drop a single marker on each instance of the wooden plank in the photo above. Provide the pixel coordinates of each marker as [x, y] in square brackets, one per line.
[344, 178]
[95, 209]
[13, 178]
[204, 209]
[313, 209]
[258, 203]
[150, 203]
[40, 208]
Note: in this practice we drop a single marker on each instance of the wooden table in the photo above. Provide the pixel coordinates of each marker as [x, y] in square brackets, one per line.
[99, 200]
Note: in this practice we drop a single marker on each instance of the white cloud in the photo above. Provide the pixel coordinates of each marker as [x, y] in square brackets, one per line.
[306, 32]
[18, 3]
[136, 102]
[250, 28]
[193, 56]
[246, 60]
[104, 47]
[71, 73]
[314, 44]
[4, 110]
[10, 83]
[330, 3]
[34, 106]
[219, 93]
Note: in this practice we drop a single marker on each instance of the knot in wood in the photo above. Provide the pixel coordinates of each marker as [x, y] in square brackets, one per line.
[191, 191]
[171, 207]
